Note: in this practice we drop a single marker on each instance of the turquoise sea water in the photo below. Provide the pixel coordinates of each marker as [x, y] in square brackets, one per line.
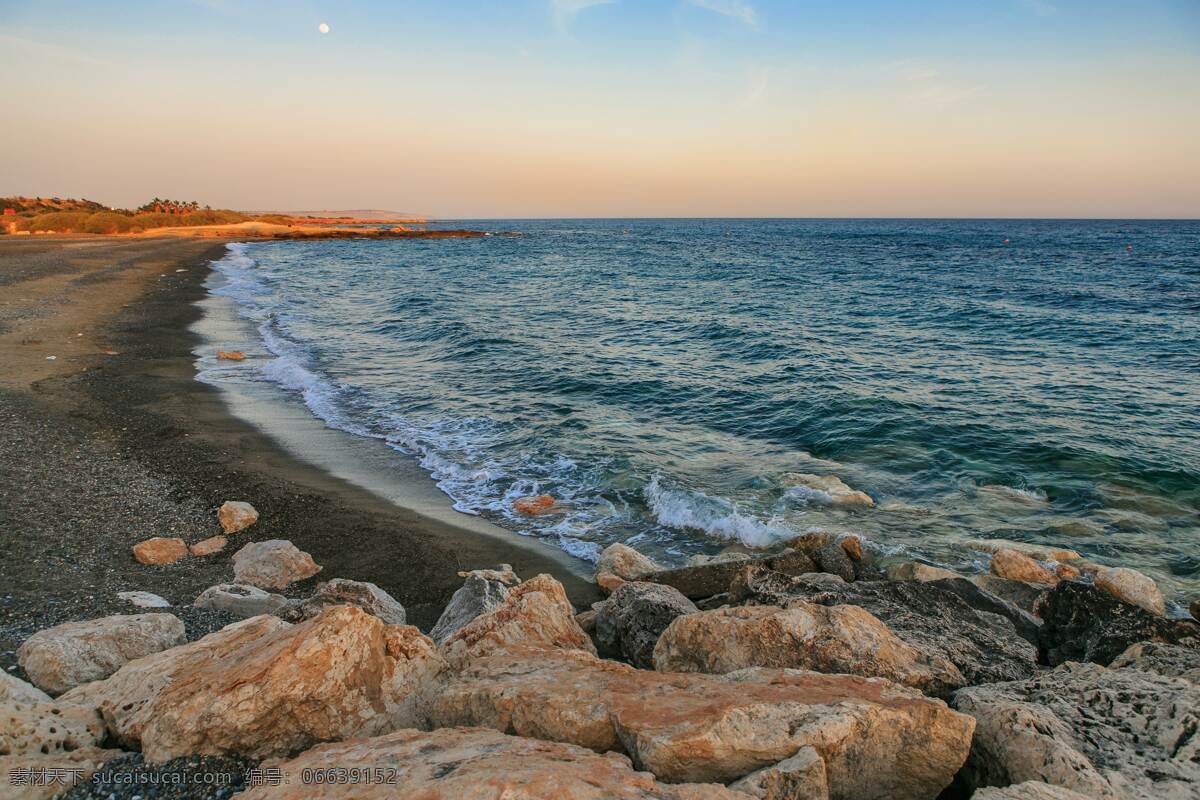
[1030, 380]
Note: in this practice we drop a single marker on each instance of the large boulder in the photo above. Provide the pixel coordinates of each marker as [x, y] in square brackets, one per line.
[536, 613]
[342, 674]
[1105, 733]
[31, 725]
[240, 600]
[832, 639]
[1025, 596]
[1171, 660]
[1026, 624]
[236, 515]
[273, 564]
[630, 621]
[813, 552]
[1082, 622]
[126, 698]
[1132, 587]
[453, 764]
[985, 647]
[877, 739]
[60, 658]
[483, 591]
[343, 592]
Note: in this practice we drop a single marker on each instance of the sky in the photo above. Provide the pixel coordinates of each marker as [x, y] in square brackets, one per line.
[609, 108]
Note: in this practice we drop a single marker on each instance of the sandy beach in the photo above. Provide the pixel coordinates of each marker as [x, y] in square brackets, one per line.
[107, 439]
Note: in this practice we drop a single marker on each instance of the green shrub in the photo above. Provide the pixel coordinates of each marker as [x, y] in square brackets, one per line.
[108, 222]
[57, 221]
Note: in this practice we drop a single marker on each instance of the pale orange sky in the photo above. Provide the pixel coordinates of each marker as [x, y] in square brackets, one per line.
[577, 108]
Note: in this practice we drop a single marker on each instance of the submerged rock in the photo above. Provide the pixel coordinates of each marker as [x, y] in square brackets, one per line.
[240, 600]
[826, 489]
[629, 623]
[160, 550]
[60, 658]
[1131, 586]
[536, 613]
[1016, 566]
[273, 564]
[456, 763]
[878, 740]
[1105, 733]
[1085, 623]
[236, 515]
[483, 591]
[1038, 551]
[985, 647]
[842, 639]
[342, 674]
[916, 571]
[343, 592]
[535, 505]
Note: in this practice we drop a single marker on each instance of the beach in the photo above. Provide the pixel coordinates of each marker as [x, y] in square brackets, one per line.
[113, 441]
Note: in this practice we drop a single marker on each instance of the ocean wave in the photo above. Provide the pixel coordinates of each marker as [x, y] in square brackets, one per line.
[713, 516]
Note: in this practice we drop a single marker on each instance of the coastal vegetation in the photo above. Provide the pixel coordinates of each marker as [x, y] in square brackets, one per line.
[57, 215]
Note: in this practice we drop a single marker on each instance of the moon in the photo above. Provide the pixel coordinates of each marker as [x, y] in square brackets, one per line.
[323, 27]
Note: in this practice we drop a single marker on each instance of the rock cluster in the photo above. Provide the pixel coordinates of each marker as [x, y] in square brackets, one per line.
[797, 674]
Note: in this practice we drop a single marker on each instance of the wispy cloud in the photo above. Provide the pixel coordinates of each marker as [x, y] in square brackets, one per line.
[1043, 8]
[47, 50]
[737, 9]
[564, 11]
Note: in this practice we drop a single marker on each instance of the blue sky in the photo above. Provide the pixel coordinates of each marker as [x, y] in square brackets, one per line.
[578, 108]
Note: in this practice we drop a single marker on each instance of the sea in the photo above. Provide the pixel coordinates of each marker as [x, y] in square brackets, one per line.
[664, 380]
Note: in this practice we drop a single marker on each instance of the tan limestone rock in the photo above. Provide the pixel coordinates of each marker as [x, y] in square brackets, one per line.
[1132, 587]
[59, 658]
[1016, 566]
[209, 546]
[535, 505]
[536, 613]
[160, 550]
[830, 639]
[236, 515]
[474, 764]
[878, 740]
[273, 564]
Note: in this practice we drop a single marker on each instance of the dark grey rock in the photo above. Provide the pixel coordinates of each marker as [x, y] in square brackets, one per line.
[1105, 733]
[1025, 623]
[1026, 596]
[481, 593]
[343, 592]
[240, 600]
[629, 623]
[1084, 623]
[985, 647]
[188, 778]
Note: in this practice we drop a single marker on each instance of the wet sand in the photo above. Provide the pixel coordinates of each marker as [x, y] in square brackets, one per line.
[114, 441]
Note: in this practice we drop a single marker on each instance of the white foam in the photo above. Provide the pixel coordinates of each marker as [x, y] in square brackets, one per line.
[714, 516]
